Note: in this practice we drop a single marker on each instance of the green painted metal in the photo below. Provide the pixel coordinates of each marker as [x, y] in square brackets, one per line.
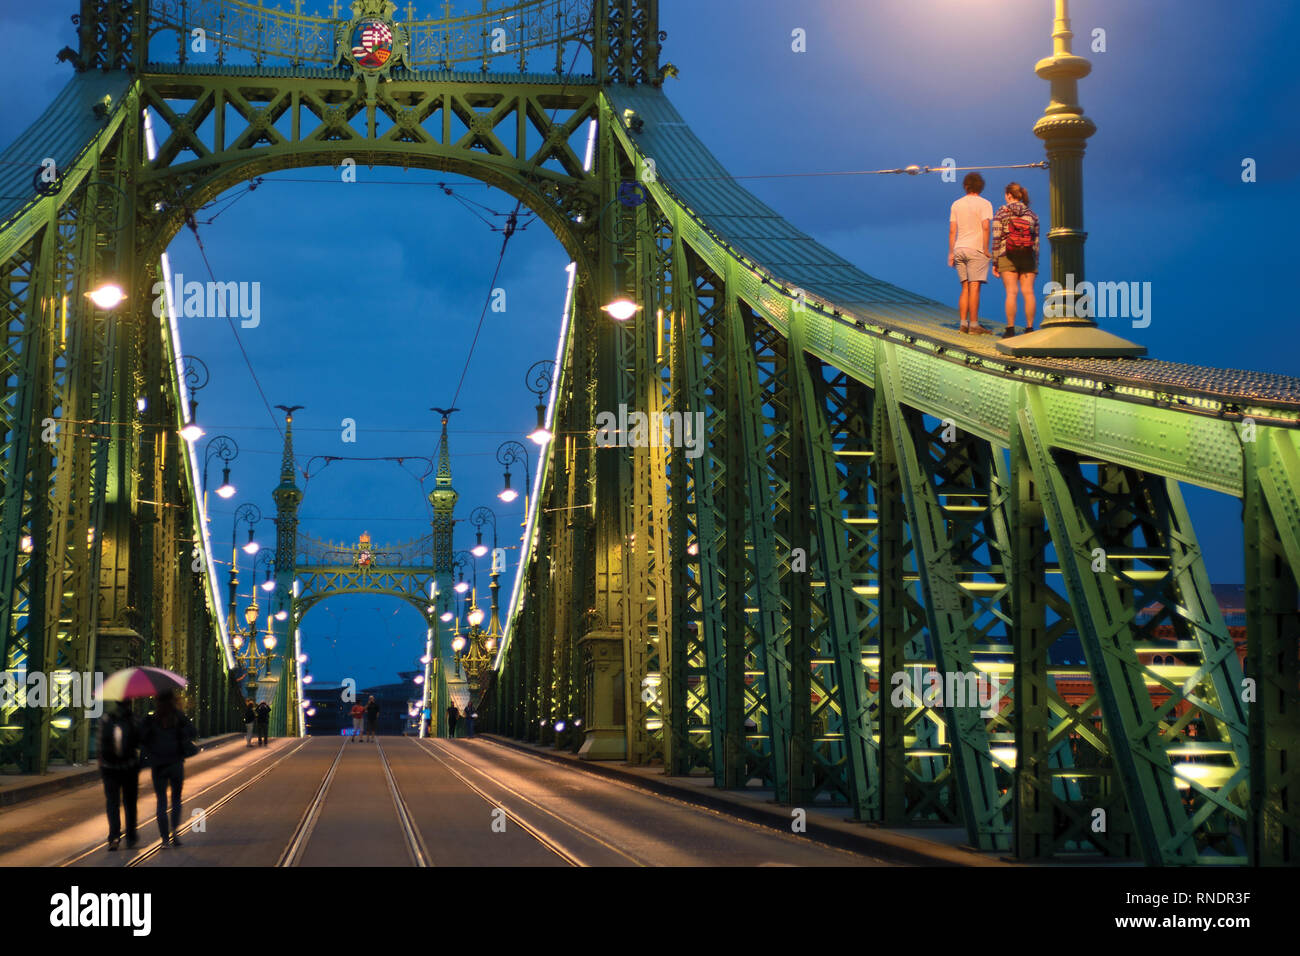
[826, 396]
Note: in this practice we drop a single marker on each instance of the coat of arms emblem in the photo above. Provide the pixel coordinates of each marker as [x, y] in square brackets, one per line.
[370, 42]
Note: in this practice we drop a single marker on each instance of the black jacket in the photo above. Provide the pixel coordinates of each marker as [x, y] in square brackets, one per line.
[250, 713]
[263, 713]
[164, 746]
[119, 742]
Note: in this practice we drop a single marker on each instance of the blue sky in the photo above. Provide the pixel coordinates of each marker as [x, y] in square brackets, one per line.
[370, 292]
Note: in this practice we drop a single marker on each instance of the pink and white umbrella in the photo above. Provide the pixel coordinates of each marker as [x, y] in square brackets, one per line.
[140, 682]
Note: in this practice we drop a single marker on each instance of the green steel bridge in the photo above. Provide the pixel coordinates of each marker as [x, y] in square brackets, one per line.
[874, 495]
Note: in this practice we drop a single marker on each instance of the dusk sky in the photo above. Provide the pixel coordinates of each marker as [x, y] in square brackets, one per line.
[371, 291]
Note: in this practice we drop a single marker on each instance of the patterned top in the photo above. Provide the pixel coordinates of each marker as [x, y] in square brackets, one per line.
[1000, 225]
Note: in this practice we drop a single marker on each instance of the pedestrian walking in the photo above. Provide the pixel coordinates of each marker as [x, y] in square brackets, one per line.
[968, 238]
[263, 722]
[250, 720]
[1015, 254]
[119, 765]
[167, 738]
[372, 717]
[358, 720]
[453, 714]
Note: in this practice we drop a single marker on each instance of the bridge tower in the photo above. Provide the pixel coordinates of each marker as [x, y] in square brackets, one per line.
[443, 499]
[285, 718]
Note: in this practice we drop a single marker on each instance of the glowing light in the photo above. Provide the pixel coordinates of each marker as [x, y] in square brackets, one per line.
[141, 403]
[26, 544]
[252, 547]
[490, 644]
[419, 678]
[268, 585]
[107, 296]
[192, 432]
[508, 495]
[478, 550]
[458, 643]
[445, 616]
[541, 435]
[461, 587]
[620, 310]
[692, 549]
[424, 659]
[302, 658]
[269, 642]
[311, 711]
[306, 678]
[475, 617]
[281, 614]
[238, 641]
[559, 726]
[227, 490]
[305, 704]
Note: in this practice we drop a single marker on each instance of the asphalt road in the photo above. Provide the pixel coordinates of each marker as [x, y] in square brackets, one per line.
[402, 802]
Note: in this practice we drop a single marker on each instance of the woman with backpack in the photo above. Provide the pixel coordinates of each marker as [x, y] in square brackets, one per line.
[1015, 253]
[167, 736]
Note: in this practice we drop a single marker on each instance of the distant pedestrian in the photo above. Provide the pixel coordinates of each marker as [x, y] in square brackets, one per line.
[453, 714]
[119, 764]
[470, 716]
[968, 240]
[1015, 254]
[250, 721]
[358, 720]
[263, 722]
[372, 717]
[166, 737]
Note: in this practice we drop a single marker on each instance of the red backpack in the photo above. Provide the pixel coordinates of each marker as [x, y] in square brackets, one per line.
[1020, 233]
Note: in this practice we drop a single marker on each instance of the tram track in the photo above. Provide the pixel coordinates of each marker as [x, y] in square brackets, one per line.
[442, 754]
[415, 845]
[297, 844]
[155, 847]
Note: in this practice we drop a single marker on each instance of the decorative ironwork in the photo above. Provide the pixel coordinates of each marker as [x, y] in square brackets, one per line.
[315, 553]
[510, 31]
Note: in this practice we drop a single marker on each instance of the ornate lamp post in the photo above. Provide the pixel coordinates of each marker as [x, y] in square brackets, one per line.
[478, 518]
[194, 372]
[538, 379]
[251, 514]
[225, 448]
[512, 453]
[1067, 329]
[247, 653]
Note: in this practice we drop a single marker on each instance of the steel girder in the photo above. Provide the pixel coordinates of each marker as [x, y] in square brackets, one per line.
[1271, 515]
[1124, 543]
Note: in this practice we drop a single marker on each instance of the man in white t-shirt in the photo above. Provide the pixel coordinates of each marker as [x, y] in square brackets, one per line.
[968, 243]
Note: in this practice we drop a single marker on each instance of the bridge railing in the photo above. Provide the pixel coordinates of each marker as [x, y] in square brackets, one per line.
[469, 35]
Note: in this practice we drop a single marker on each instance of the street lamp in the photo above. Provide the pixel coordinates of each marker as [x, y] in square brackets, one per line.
[510, 453]
[1068, 329]
[252, 514]
[266, 561]
[107, 296]
[194, 372]
[478, 518]
[225, 448]
[621, 309]
[460, 561]
[538, 379]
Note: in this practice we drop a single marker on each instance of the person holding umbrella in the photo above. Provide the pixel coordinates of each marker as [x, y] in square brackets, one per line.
[166, 736]
[119, 764]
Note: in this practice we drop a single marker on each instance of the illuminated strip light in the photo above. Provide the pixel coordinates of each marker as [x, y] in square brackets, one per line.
[530, 529]
[151, 147]
[298, 669]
